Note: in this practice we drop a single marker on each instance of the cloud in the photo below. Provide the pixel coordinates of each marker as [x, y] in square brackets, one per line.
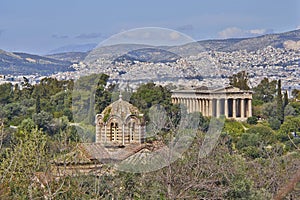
[234, 32]
[89, 36]
[56, 36]
[298, 27]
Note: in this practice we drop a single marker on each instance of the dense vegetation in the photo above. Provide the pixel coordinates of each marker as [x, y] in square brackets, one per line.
[252, 160]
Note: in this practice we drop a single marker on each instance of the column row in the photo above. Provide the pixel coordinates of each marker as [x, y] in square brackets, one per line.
[229, 107]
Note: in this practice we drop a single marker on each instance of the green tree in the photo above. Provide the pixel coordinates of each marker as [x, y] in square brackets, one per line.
[26, 156]
[239, 80]
[103, 95]
[6, 93]
[285, 99]
[43, 120]
[265, 91]
[280, 109]
[38, 104]
[148, 95]
[274, 122]
[289, 111]
[252, 120]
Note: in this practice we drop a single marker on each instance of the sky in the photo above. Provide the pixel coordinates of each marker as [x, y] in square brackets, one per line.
[40, 26]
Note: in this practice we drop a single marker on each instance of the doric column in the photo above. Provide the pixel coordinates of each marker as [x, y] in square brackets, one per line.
[234, 108]
[210, 107]
[226, 108]
[189, 105]
[249, 108]
[193, 104]
[218, 111]
[200, 106]
[203, 107]
[242, 108]
[206, 107]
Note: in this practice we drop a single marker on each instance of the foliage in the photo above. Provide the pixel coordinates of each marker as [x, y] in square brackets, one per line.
[269, 110]
[252, 120]
[291, 124]
[285, 99]
[43, 120]
[148, 95]
[22, 161]
[274, 123]
[254, 139]
[5, 93]
[239, 80]
[280, 106]
[233, 128]
[289, 111]
[296, 106]
[265, 91]
[45, 130]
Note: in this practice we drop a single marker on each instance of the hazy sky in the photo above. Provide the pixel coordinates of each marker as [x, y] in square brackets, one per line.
[38, 26]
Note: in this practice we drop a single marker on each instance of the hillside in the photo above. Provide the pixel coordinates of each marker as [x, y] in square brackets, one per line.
[25, 64]
[69, 56]
[251, 44]
[153, 55]
[225, 45]
[22, 63]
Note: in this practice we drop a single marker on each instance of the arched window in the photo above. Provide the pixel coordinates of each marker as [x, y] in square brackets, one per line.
[133, 130]
[111, 131]
[113, 136]
[131, 134]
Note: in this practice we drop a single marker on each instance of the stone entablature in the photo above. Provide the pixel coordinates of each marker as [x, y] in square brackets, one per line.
[230, 102]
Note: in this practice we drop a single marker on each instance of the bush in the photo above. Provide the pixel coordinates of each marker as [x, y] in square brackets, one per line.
[274, 123]
[233, 128]
[252, 120]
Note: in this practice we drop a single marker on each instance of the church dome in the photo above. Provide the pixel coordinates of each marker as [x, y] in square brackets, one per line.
[120, 108]
[120, 123]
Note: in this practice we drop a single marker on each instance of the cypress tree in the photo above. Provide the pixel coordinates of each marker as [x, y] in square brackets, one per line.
[280, 111]
[38, 104]
[285, 99]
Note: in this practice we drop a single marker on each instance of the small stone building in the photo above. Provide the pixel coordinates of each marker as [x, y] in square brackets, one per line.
[120, 123]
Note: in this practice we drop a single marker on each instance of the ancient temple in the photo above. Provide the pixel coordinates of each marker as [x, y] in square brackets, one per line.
[120, 123]
[230, 102]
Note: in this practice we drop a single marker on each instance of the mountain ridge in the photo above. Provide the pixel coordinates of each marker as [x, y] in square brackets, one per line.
[24, 63]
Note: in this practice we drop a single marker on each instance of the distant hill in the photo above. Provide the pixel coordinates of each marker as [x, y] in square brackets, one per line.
[225, 45]
[25, 64]
[154, 55]
[22, 63]
[251, 44]
[74, 57]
